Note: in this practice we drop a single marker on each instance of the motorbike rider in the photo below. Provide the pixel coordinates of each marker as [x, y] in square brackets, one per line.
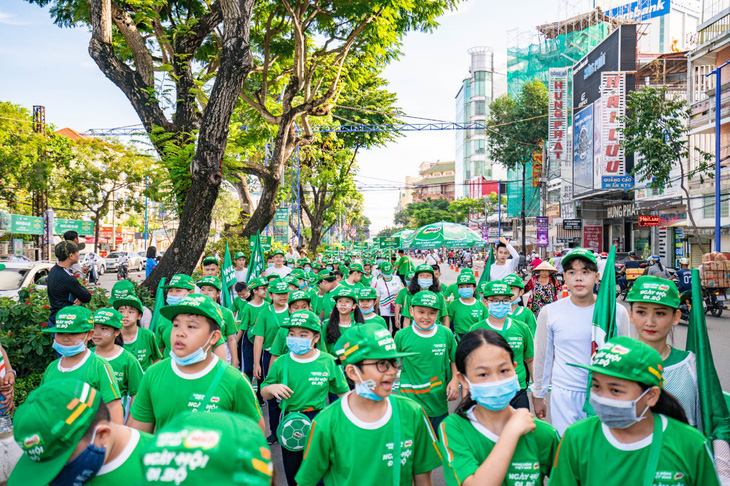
[656, 268]
[684, 276]
[90, 266]
[632, 262]
[123, 265]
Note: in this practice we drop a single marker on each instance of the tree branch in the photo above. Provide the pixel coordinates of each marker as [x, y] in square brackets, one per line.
[142, 56]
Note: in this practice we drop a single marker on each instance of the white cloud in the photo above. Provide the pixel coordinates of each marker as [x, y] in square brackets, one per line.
[11, 19]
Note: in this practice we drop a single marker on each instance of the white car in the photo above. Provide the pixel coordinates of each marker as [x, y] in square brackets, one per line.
[19, 275]
[100, 262]
[134, 261]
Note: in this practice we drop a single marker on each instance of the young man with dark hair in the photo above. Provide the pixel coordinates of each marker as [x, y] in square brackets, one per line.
[502, 266]
[63, 287]
[564, 335]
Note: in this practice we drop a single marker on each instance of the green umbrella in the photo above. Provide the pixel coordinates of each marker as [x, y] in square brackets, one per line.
[450, 235]
[403, 234]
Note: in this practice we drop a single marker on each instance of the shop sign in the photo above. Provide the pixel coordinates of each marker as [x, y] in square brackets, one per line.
[667, 219]
[558, 116]
[536, 167]
[593, 238]
[542, 225]
[648, 221]
[621, 211]
[572, 224]
[613, 109]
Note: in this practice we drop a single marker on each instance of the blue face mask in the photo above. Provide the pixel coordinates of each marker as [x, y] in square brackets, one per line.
[367, 312]
[424, 329]
[82, 469]
[298, 345]
[303, 285]
[495, 395]
[466, 292]
[269, 265]
[174, 299]
[387, 275]
[307, 269]
[68, 351]
[499, 309]
[365, 389]
[425, 283]
[329, 267]
[195, 357]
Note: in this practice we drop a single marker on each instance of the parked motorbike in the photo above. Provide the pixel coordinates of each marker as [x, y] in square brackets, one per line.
[123, 271]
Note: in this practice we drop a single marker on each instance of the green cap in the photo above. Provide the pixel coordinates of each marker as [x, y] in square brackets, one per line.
[49, 425]
[303, 261]
[513, 280]
[345, 291]
[367, 293]
[424, 268]
[72, 319]
[654, 290]
[277, 252]
[497, 288]
[210, 259]
[317, 266]
[279, 286]
[239, 254]
[180, 281]
[324, 275]
[465, 279]
[201, 305]
[2, 267]
[300, 295]
[304, 319]
[208, 448]
[121, 288]
[425, 298]
[130, 300]
[583, 253]
[629, 359]
[466, 270]
[108, 317]
[298, 273]
[386, 267]
[258, 282]
[292, 280]
[356, 267]
[366, 341]
[211, 281]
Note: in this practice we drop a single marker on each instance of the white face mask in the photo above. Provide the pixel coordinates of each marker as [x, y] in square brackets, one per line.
[617, 414]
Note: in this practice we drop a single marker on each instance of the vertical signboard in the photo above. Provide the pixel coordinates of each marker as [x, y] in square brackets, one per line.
[281, 225]
[583, 150]
[613, 108]
[542, 222]
[537, 160]
[593, 238]
[558, 116]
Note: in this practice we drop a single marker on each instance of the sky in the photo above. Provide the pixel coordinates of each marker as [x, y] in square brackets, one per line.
[47, 65]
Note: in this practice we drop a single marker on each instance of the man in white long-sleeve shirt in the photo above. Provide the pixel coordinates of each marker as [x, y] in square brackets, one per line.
[502, 266]
[564, 336]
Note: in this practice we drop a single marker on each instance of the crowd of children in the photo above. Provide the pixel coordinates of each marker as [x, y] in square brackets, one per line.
[357, 361]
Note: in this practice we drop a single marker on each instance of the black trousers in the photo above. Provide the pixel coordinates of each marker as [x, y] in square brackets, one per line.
[293, 460]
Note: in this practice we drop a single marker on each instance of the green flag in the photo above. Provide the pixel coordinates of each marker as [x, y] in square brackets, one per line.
[487, 267]
[228, 278]
[713, 406]
[604, 315]
[256, 263]
[159, 302]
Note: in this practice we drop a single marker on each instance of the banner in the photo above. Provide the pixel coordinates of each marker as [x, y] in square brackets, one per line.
[21, 225]
[613, 108]
[593, 238]
[542, 224]
[281, 225]
[265, 243]
[641, 10]
[84, 228]
[537, 160]
[583, 151]
[557, 146]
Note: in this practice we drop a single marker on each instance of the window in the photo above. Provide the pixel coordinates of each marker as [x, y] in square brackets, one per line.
[480, 108]
[708, 207]
[479, 87]
[480, 146]
[724, 208]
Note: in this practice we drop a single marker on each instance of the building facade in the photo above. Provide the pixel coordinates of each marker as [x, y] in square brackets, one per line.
[437, 181]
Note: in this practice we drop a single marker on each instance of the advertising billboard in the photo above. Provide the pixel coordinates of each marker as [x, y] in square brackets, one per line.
[558, 106]
[641, 10]
[583, 151]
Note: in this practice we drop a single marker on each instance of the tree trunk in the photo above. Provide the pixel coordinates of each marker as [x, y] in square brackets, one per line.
[96, 231]
[695, 230]
[317, 232]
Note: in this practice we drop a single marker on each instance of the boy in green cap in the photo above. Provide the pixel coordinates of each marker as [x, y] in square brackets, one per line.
[654, 313]
[74, 328]
[429, 375]
[247, 320]
[211, 266]
[279, 269]
[241, 272]
[387, 288]
[498, 300]
[393, 429]
[303, 378]
[639, 434]
[424, 279]
[194, 379]
[564, 335]
[67, 437]
[139, 341]
[208, 448]
[403, 266]
[466, 310]
[355, 276]
[299, 300]
[519, 312]
[211, 286]
[367, 298]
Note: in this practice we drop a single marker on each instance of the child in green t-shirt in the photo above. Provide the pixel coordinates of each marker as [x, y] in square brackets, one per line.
[212, 286]
[429, 376]
[137, 340]
[247, 319]
[345, 315]
[518, 311]
[367, 298]
[370, 437]
[466, 310]
[487, 441]
[303, 378]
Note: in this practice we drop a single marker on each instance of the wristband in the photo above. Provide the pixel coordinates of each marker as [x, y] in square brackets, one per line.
[13, 372]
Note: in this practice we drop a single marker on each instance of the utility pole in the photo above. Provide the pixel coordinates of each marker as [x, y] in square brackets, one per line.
[718, 122]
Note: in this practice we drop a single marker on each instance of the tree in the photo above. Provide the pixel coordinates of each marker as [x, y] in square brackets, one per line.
[656, 131]
[388, 232]
[419, 214]
[519, 127]
[467, 208]
[305, 52]
[103, 176]
[202, 47]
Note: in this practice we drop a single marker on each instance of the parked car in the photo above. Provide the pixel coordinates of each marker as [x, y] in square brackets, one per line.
[100, 262]
[135, 262]
[19, 275]
[14, 258]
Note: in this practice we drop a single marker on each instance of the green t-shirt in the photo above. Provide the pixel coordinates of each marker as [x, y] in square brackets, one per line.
[310, 380]
[339, 439]
[404, 265]
[229, 327]
[267, 324]
[590, 455]
[367, 281]
[466, 315]
[93, 369]
[238, 305]
[519, 338]
[376, 319]
[127, 371]
[166, 391]
[424, 377]
[443, 311]
[126, 468]
[400, 298]
[525, 316]
[466, 444]
[356, 285]
[248, 319]
[328, 302]
[144, 347]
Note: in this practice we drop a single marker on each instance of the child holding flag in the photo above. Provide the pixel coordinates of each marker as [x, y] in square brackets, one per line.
[639, 434]
[428, 376]
[487, 441]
